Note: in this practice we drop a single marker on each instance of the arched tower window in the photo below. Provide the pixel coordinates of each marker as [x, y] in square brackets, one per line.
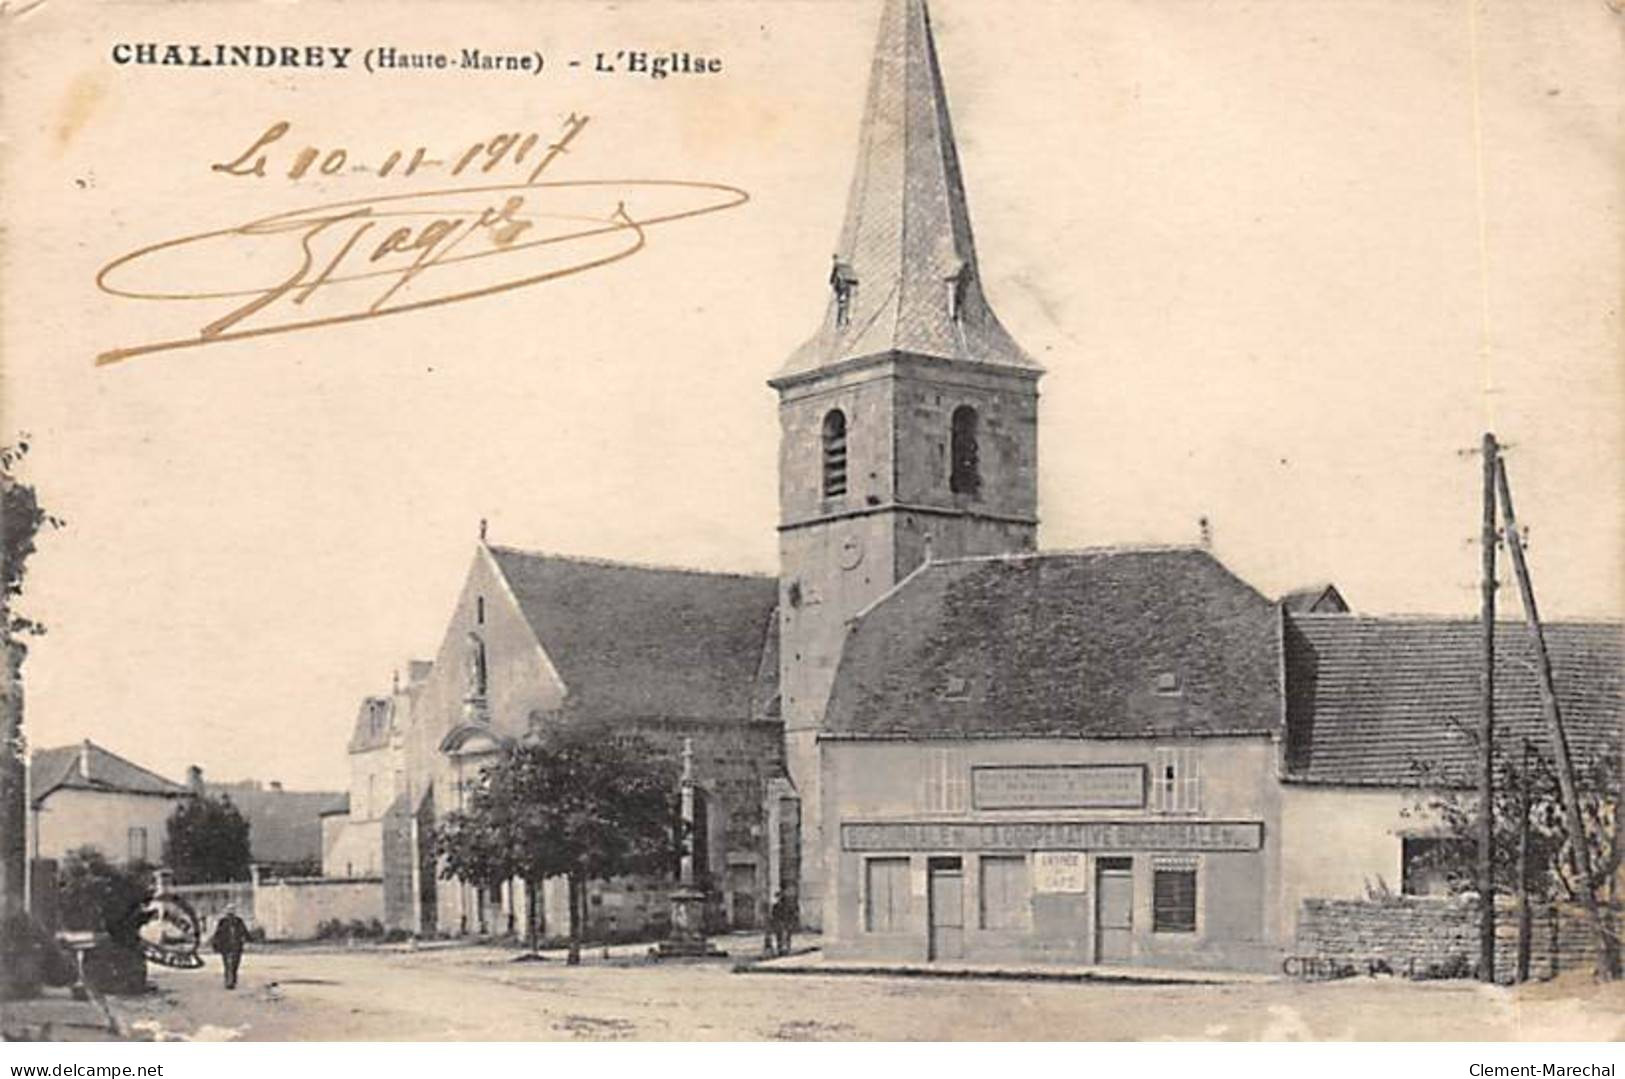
[966, 476]
[834, 453]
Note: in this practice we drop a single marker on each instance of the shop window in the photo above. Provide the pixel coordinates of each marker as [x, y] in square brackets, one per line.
[1004, 892]
[138, 844]
[1173, 903]
[945, 782]
[1176, 781]
[886, 892]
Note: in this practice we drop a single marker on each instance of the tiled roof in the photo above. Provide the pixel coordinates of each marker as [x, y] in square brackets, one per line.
[907, 230]
[1316, 599]
[283, 826]
[1368, 699]
[639, 641]
[1108, 643]
[87, 766]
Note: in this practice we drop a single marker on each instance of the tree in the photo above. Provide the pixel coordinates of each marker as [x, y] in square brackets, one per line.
[21, 518]
[206, 841]
[96, 895]
[1532, 854]
[578, 802]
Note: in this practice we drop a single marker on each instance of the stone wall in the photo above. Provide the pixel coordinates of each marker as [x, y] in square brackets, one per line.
[1426, 936]
[293, 908]
[209, 902]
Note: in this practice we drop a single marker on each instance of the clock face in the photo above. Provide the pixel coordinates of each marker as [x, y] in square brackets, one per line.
[851, 552]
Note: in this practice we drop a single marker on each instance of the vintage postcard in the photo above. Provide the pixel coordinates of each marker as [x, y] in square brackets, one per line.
[786, 520]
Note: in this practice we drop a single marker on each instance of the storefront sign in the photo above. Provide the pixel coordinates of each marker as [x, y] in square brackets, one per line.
[1065, 786]
[1140, 835]
[1060, 871]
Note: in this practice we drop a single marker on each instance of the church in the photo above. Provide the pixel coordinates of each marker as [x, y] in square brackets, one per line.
[945, 742]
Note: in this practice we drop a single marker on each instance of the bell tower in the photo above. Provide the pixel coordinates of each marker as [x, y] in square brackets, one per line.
[909, 420]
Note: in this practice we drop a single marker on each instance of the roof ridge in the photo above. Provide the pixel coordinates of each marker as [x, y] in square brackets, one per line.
[139, 768]
[612, 563]
[73, 749]
[1448, 619]
[865, 611]
[1075, 552]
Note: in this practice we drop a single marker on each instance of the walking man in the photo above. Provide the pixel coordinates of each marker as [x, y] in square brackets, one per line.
[785, 916]
[230, 934]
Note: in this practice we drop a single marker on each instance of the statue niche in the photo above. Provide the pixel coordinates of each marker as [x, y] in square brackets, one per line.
[475, 678]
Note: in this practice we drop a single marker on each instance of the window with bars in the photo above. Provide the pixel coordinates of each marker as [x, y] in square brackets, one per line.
[886, 895]
[1176, 781]
[834, 453]
[1173, 901]
[945, 782]
[1004, 892]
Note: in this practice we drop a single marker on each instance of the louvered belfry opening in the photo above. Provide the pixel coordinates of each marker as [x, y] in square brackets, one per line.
[834, 453]
[966, 477]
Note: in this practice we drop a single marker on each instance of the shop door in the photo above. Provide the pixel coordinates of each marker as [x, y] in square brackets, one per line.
[947, 908]
[1114, 910]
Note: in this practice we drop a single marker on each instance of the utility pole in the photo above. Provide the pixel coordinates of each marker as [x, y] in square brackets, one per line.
[1579, 849]
[1525, 915]
[1486, 725]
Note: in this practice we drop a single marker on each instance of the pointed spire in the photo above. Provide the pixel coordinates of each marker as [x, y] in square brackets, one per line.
[905, 278]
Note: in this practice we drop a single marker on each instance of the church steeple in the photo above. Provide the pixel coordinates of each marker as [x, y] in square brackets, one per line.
[905, 277]
[909, 423]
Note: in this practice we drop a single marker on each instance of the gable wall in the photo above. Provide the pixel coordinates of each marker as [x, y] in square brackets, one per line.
[69, 819]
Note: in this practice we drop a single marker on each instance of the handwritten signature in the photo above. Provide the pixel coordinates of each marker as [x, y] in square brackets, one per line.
[356, 259]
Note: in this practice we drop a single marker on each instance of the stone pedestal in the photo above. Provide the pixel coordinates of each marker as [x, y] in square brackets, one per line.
[687, 939]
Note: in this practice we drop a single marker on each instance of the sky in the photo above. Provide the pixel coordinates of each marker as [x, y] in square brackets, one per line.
[1284, 264]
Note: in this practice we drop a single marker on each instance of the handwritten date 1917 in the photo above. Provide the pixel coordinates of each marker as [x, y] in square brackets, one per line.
[362, 258]
[514, 149]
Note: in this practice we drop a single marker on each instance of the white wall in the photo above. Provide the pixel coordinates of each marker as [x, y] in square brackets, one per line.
[69, 819]
[1337, 841]
[292, 909]
[352, 848]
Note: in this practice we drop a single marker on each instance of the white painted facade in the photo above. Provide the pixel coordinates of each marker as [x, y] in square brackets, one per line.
[124, 825]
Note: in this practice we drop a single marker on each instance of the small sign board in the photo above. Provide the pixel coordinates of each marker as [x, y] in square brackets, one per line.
[1059, 786]
[1060, 871]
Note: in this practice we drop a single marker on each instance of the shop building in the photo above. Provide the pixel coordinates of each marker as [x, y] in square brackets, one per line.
[1066, 757]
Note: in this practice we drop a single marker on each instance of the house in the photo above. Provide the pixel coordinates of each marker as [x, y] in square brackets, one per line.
[284, 826]
[86, 796]
[352, 830]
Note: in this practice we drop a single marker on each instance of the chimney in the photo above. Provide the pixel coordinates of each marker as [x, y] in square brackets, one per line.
[194, 779]
[84, 758]
[276, 785]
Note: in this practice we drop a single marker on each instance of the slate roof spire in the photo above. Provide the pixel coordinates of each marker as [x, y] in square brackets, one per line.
[905, 277]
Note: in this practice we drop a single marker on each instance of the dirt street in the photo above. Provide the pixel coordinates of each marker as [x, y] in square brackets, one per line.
[480, 993]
